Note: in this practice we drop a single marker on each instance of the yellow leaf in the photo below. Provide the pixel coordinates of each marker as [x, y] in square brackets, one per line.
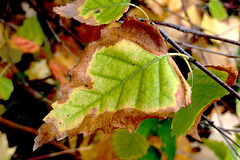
[38, 70]
[226, 29]
[5, 152]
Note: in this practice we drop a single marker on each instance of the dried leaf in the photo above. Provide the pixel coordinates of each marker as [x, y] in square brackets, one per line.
[92, 12]
[5, 152]
[58, 71]
[38, 70]
[122, 79]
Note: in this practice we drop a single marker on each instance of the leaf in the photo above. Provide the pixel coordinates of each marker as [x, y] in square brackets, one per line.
[121, 80]
[219, 148]
[168, 142]
[7, 53]
[58, 71]
[146, 126]
[101, 147]
[6, 88]
[129, 146]
[31, 30]
[38, 70]
[152, 154]
[205, 91]
[24, 45]
[5, 152]
[217, 9]
[93, 12]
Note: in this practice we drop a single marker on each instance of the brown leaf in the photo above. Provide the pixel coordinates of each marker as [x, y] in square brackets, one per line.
[58, 71]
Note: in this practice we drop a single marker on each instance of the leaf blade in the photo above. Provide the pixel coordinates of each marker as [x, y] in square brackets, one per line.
[6, 87]
[184, 119]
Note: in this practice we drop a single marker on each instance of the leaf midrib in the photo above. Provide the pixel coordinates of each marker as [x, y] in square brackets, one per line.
[107, 6]
[122, 82]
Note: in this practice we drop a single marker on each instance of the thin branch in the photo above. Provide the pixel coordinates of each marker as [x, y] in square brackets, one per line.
[206, 50]
[61, 152]
[222, 133]
[33, 131]
[186, 14]
[59, 40]
[230, 130]
[5, 69]
[46, 16]
[28, 88]
[201, 34]
[195, 62]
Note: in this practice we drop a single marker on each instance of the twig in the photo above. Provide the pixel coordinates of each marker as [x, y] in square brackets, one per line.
[195, 62]
[5, 69]
[195, 32]
[14, 125]
[230, 130]
[231, 146]
[40, 12]
[223, 134]
[61, 152]
[59, 40]
[28, 88]
[206, 50]
[185, 12]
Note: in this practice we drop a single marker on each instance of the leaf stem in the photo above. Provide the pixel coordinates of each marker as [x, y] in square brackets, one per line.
[140, 10]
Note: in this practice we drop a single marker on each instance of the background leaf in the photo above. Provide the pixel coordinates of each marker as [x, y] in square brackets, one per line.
[129, 146]
[5, 152]
[6, 87]
[94, 12]
[168, 141]
[146, 126]
[217, 9]
[32, 30]
[219, 148]
[184, 119]
[152, 154]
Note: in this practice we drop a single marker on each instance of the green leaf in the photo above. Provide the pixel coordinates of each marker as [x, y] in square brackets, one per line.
[126, 79]
[219, 148]
[103, 11]
[146, 126]
[7, 52]
[129, 146]
[152, 154]
[168, 141]
[94, 12]
[204, 91]
[32, 30]
[217, 9]
[6, 87]
[121, 80]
